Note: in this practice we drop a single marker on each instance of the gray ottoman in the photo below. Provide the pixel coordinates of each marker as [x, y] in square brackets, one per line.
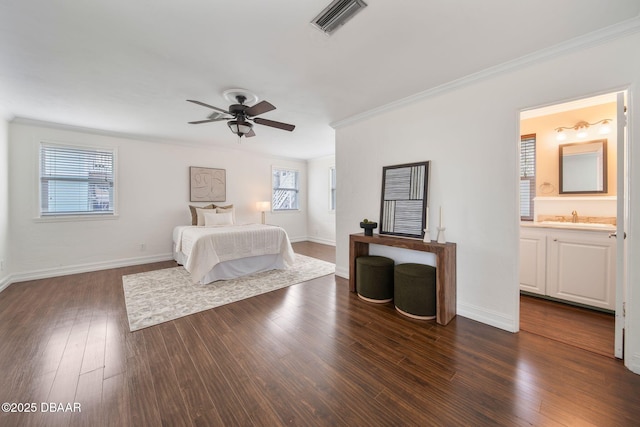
[415, 290]
[374, 278]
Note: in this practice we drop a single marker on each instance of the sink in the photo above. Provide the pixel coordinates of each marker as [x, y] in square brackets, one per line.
[590, 225]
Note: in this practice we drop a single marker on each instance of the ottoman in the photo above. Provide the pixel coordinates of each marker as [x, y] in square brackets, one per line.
[374, 278]
[415, 290]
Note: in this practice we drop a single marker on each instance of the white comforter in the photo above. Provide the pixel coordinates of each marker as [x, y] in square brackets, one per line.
[204, 247]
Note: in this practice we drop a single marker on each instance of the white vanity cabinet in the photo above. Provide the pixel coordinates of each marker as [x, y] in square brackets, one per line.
[533, 253]
[569, 264]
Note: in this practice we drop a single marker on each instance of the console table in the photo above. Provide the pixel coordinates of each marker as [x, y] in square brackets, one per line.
[445, 266]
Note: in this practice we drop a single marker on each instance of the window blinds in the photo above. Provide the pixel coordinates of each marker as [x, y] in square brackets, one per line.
[527, 176]
[76, 181]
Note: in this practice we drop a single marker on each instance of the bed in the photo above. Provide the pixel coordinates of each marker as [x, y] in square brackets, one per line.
[225, 252]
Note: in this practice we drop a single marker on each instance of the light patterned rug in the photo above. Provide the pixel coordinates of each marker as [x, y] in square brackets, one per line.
[159, 296]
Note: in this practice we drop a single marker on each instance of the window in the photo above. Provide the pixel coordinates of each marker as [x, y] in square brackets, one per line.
[76, 181]
[332, 189]
[285, 189]
[527, 176]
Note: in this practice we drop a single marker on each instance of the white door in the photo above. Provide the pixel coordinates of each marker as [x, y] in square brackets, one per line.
[622, 215]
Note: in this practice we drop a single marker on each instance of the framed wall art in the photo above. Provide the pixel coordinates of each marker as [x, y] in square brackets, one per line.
[207, 184]
[404, 202]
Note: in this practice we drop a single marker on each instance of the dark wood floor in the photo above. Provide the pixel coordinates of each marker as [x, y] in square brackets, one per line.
[309, 354]
[577, 326]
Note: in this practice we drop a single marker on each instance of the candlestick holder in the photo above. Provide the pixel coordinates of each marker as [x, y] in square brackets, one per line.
[427, 236]
[441, 238]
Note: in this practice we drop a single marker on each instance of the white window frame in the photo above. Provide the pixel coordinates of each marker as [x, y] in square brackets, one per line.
[297, 189]
[332, 189]
[75, 216]
[527, 175]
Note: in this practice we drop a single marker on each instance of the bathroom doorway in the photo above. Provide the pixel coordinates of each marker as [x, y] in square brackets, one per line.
[568, 261]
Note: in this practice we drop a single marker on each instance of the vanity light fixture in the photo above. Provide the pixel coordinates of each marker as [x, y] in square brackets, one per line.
[582, 129]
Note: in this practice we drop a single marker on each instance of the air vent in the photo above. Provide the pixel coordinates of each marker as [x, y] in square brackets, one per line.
[336, 14]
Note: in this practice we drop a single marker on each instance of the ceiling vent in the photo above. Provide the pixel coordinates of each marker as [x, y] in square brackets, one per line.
[336, 14]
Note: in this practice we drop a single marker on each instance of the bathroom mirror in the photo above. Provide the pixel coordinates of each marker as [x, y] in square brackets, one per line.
[583, 167]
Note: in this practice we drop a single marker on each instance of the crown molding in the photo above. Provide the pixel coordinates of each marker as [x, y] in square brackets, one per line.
[145, 138]
[594, 38]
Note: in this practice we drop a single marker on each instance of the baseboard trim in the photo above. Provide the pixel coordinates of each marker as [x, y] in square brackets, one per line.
[342, 272]
[84, 268]
[634, 363]
[322, 241]
[5, 282]
[489, 317]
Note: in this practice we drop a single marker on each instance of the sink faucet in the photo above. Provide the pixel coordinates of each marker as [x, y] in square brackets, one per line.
[574, 215]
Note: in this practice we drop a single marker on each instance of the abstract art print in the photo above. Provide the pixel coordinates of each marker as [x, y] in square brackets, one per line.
[207, 184]
[405, 195]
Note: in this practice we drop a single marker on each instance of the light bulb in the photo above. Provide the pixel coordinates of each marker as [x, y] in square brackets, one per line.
[582, 133]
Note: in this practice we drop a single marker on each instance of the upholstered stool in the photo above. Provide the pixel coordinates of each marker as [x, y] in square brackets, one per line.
[415, 290]
[374, 278]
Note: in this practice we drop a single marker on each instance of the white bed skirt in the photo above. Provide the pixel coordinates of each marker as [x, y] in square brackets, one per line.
[238, 267]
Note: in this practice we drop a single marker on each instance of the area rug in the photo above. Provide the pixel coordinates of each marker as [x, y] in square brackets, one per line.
[159, 296]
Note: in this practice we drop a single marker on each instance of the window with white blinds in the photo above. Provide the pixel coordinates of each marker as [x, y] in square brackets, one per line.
[76, 181]
[332, 188]
[527, 176]
[285, 189]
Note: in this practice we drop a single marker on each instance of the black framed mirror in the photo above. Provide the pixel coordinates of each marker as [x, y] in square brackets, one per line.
[405, 196]
[583, 167]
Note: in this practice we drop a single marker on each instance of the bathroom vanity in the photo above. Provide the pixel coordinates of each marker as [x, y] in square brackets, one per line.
[567, 261]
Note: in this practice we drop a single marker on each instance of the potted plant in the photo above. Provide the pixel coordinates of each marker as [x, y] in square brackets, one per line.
[368, 226]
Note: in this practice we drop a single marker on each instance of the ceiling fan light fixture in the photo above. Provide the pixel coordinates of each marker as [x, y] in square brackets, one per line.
[239, 127]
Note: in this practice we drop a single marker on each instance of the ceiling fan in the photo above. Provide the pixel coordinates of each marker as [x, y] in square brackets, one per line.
[239, 116]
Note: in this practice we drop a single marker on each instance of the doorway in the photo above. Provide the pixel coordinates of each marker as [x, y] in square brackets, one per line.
[567, 258]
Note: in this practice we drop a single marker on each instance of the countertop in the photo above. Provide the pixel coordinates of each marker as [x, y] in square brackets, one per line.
[587, 226]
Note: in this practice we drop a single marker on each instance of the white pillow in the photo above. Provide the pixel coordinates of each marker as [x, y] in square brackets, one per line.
[200, 214]
[212, 218]
[225, 209]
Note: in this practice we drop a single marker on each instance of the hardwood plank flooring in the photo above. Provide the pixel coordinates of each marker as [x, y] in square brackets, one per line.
[580, 327]
[310, 354]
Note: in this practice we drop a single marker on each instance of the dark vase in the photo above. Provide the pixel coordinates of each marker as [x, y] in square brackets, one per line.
[368, 227]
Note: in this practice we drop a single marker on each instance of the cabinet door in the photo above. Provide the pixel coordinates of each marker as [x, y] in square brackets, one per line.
[581, 268]
[532, 261]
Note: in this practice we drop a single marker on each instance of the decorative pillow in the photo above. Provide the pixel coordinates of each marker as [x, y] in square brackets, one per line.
[213, 218]
[194, 214]
[200, 214]
[227, 209]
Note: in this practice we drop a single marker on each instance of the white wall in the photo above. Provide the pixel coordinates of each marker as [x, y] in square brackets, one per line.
[4, 203]
[321, 222]
[470, 132]
[153, 197]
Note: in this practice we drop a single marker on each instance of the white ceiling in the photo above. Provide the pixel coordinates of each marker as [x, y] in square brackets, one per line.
[127, 66]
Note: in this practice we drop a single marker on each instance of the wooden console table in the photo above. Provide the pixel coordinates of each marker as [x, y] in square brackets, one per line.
[445, 267]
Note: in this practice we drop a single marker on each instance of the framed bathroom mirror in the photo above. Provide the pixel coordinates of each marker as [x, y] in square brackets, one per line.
[583, 167]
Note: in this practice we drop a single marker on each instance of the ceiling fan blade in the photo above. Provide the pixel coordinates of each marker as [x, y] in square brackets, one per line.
[208, 106]
[197, 122]
[274, 124]
[250, 134]
[260, 108]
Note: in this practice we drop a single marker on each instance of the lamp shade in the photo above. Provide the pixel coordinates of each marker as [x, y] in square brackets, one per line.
[263, 206]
